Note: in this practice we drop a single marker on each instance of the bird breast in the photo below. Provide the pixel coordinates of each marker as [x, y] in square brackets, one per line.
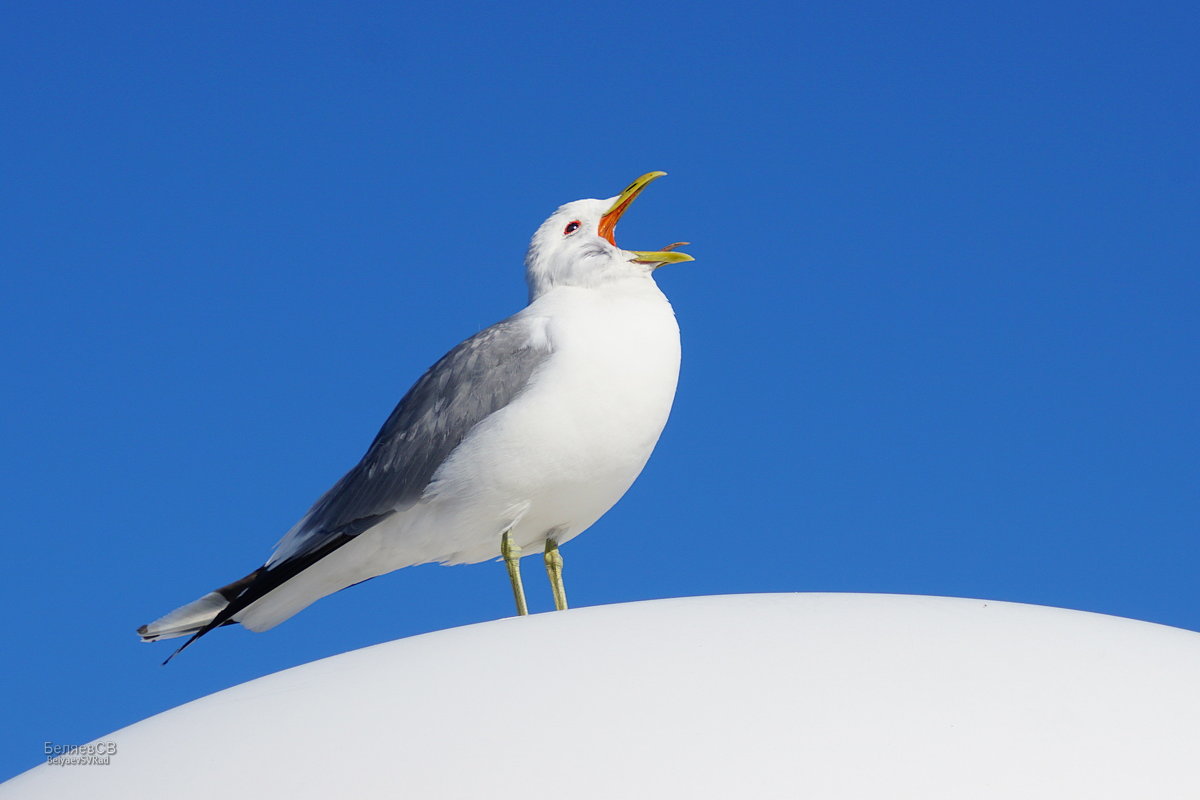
[570, 445]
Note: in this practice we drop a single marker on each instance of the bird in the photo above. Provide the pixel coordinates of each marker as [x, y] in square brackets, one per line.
[520, 437]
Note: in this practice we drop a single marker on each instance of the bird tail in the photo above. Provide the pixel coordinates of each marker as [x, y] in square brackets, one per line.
[196, 615]
[226, 605]
[185, 619]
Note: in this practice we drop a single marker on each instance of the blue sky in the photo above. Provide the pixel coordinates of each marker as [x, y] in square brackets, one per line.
[940, 337]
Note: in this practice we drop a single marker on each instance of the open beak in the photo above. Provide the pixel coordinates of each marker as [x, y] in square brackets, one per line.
[608, 225]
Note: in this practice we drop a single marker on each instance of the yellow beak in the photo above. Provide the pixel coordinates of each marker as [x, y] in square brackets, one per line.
[608, 225]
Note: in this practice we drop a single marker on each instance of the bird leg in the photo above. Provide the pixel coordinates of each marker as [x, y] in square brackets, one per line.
[512, 560]
[554, 565]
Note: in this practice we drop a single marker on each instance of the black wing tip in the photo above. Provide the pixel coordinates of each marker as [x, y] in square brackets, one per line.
[183, 646]
[262, 581]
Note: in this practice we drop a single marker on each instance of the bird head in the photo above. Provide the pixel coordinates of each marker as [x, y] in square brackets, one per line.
[576, 246]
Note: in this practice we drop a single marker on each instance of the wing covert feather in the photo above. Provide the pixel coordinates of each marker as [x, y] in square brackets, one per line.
[474, 380]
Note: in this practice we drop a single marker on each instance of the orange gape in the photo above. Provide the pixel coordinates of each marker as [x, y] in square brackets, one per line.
[608, 222]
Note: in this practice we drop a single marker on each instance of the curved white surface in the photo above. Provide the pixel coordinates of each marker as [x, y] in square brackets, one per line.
[763, 696]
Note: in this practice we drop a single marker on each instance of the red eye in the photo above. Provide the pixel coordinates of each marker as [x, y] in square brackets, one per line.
[572, 226]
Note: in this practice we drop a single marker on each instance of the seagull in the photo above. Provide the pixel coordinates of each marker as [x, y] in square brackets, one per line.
[521, 437]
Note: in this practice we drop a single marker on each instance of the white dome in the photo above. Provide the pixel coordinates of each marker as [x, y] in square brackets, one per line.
[762, 696]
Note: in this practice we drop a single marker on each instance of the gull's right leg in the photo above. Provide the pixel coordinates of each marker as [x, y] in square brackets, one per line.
[512, 560]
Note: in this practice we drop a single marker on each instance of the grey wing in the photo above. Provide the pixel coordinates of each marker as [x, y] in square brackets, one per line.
[477, 378]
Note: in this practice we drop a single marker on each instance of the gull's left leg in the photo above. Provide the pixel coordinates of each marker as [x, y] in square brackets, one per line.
[554, 565]
[512, 560]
